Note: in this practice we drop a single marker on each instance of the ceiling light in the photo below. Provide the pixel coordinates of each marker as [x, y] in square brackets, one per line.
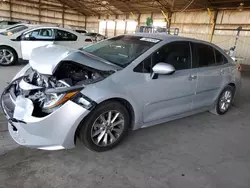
[104, 2]
[241, 7]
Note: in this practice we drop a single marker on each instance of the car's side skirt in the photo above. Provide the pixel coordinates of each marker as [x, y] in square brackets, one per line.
[164, 120]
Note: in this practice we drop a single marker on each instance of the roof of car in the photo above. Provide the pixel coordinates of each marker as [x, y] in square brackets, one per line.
[166, 37]
[160, 36]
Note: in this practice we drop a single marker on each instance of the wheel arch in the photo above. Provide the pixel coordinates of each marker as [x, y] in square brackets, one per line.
[232, 85]
[127, 105]
[122, 101]
[14, 50]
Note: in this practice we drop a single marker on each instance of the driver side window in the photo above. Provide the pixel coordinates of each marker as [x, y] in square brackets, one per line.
[39, 35]
[177, 54]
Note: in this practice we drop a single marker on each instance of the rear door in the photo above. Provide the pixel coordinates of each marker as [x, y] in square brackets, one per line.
[210, 66]
[34, 39]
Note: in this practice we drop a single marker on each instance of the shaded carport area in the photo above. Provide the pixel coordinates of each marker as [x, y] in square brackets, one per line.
[200, 151]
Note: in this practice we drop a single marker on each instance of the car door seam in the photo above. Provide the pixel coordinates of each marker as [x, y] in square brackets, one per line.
[168, 100]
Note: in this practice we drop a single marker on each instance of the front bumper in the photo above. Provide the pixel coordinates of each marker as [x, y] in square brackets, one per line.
[52, 132]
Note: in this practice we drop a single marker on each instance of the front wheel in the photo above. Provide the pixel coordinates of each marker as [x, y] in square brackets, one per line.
[7, 56]
[224, 101]
[105, 127]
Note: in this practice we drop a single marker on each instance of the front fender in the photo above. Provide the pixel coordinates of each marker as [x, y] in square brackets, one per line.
[100, 94]
[15, 45]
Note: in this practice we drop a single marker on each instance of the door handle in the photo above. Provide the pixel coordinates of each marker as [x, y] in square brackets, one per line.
[222, 72]
[192, 77]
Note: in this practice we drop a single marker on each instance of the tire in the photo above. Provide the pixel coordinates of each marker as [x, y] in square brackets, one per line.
[94, 124]
[218, 108]
[8, 56]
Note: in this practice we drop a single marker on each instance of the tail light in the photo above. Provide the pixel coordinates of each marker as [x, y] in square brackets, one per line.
[239, 68]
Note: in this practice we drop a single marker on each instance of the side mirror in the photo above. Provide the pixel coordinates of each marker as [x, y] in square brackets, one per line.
[162, 68]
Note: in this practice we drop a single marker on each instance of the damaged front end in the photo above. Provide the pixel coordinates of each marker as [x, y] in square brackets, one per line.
[38, 95]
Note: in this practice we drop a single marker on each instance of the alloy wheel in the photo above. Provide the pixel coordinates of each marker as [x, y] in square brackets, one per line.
[6, 56]
[225, 101]
[107, 128]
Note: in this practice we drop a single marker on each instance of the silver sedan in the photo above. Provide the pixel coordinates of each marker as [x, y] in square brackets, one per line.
[127, 82]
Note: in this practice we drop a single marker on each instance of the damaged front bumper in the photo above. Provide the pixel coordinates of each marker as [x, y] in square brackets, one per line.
[51, 132]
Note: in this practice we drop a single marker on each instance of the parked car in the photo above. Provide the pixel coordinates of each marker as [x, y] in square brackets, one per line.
[11, 29]
[8, 22]
[96, 37]
[82, 31]
[20, 44]
[127, 82]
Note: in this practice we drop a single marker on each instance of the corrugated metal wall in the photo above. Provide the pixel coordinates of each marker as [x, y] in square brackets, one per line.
[41, 12]
[191, 24]
[198, 25]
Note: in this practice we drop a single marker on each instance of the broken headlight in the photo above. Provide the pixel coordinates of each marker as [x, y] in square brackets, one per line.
[54, 100]
[55, 97]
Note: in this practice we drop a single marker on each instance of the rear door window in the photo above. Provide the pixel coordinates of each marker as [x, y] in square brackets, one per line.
[65, 36]
[204, 55]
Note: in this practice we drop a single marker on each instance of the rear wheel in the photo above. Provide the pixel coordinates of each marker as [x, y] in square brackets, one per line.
[105, 127]
[224, 101]
[7, 56]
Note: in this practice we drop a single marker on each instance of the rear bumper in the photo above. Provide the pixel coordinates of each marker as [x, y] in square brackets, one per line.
[237, 87]
[54, 131]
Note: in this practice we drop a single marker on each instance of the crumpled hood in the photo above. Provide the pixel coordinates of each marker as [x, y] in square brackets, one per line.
[45, 59]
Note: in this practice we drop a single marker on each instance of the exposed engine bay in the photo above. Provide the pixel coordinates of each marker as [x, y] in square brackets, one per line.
[48, 92]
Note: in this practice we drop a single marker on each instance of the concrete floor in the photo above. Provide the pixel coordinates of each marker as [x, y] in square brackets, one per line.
[201, 151]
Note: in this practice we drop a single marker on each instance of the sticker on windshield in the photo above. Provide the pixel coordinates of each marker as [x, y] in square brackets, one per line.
[150, 40]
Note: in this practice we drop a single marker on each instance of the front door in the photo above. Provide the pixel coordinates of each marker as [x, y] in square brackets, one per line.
[34, 39]
[167, 95]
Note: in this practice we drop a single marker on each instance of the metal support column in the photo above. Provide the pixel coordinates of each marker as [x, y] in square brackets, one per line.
[10, 9]
[213, 18]
[115, 32]
[63, 15]
[125, 30]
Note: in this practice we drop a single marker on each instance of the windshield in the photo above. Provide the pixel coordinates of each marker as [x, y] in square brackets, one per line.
[4, 26]
[17, 29]
[121, 50]
[14, 29]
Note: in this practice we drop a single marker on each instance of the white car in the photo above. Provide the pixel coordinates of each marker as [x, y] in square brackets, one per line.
[19, 45]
